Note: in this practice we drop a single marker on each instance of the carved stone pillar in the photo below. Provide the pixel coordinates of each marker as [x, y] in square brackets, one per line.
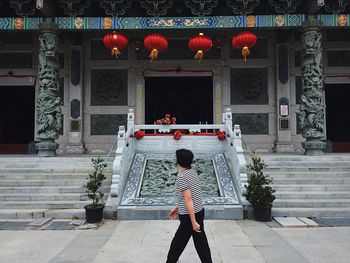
[312, 100]
[49, 115]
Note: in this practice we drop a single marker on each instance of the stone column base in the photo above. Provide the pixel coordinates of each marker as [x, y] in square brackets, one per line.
[314, 147]
[46, 148]
[284, 147]
[76, 148]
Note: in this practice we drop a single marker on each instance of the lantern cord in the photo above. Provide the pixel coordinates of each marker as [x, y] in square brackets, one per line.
[199, 55]
[245, 52]
[116, 52]
[154, 54]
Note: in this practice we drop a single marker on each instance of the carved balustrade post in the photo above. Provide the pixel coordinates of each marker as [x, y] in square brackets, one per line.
[49, 115]
[312, 100]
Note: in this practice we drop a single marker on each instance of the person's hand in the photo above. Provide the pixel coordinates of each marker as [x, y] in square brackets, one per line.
[196, 227]
[173, 213]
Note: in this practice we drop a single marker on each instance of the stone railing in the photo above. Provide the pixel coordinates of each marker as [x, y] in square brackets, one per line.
[158, 139]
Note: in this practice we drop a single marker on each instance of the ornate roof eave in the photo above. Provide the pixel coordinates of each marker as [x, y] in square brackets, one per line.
[173, 23]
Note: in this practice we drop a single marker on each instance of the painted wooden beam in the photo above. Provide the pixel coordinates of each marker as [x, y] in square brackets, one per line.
[170, 23]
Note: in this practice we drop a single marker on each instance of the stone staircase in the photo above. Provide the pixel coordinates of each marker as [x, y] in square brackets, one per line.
[34, 187]
[310, 186]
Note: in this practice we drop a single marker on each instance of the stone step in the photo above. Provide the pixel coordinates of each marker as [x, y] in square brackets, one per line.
[306, 158]
[308, 203]
[310, 187]
[45, 170]
[36, 159]
[49, 189]
[297, 168]
[225, 212]
[311, 212]
[306, 166]
[18, 183]
[304, 181]
[308, 174]
[48, 176]
[40, 213]
[312, 195]
[43, 204]
[44, 197]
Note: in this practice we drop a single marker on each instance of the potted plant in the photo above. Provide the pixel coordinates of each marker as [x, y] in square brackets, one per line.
[259, 192]
[94, 211]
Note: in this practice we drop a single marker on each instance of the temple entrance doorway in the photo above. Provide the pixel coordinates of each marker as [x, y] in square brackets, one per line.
[17, 107]
[337, 117]
[189, 99]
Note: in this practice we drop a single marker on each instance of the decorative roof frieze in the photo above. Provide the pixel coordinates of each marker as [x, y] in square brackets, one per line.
[336, 6]
[115, 7]
[74, 8]
[242, 7]
[201, 7]
[156, 8]
[285, 6]
[23, 8]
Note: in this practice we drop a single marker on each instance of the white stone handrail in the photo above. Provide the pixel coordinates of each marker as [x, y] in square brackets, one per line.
[127, 146]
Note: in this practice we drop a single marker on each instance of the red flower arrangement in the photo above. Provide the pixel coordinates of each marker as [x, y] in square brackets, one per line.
[221, 135]
[167, 120]
[139, 134]
[177, 135]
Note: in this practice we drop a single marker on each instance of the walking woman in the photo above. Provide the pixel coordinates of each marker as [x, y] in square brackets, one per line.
[190, 210]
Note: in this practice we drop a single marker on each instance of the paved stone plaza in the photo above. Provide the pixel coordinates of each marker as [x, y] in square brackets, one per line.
[148, 242]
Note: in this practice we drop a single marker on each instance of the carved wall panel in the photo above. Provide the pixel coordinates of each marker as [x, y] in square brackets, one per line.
[107, 124]
[16, 60]
[338, 58]
[283, 64]
[252, 123]
[75, 67]
[109, 87]
[75, 109]
[249, 86]
[298, 89]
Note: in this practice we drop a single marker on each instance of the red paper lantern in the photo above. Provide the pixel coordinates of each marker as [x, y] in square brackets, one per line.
[244, 41]
[200, 44]
[116, 42]
[155, 43]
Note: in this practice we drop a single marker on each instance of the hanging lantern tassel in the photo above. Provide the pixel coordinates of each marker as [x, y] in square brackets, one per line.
[245, 52]
[244, 41]
[200, 44]
[115, 42]
[199, 55]
[116, 52]
[155, 43]
[154, 54]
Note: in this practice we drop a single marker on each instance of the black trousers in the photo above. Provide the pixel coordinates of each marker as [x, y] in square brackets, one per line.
[184, 233]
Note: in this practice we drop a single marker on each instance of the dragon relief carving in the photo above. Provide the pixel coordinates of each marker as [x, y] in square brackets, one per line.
[312, 101]
[49, 103]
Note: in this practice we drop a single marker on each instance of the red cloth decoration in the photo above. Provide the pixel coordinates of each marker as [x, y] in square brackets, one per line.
[200, 44]
[177, 135]
[139, 134]
[155, 43]
[115, 41]
[244, 41]
[221, 135]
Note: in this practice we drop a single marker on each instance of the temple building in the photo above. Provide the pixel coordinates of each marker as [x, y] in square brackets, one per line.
[62, 91]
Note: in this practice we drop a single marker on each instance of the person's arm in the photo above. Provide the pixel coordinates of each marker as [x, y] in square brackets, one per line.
[189, 204]
[173, 212]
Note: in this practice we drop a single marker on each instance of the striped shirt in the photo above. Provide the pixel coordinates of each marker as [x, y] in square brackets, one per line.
[189, 179]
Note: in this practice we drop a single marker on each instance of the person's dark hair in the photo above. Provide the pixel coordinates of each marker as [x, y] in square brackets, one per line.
[184, 158]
